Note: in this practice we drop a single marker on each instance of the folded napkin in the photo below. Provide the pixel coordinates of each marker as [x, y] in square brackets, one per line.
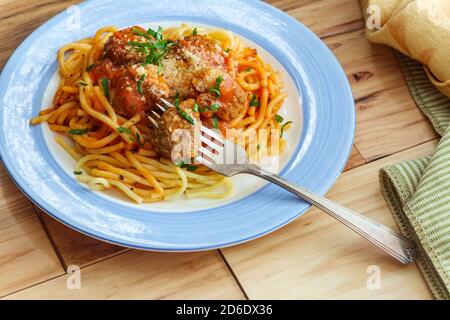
[417, 28]
[418, 191]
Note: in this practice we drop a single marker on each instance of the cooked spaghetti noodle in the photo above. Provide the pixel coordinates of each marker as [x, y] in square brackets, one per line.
[113, 151]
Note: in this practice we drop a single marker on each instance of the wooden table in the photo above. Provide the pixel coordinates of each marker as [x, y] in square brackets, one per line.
[313, 257]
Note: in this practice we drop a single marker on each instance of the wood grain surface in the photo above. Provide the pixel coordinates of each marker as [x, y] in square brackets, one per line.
[26, 254]
[145, 275]
[314, 257]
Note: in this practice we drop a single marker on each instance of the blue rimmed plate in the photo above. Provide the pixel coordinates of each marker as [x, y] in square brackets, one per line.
[320, 104]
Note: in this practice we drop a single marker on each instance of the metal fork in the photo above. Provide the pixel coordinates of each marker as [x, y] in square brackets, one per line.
[229, 159]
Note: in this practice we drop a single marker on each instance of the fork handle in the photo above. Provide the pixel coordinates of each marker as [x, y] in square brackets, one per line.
[383, 237]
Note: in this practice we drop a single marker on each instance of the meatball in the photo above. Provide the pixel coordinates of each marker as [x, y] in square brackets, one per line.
[126, 100]
[189, 61]
[201, 51]
[138, 90]
[106, 69]
[175, 137]
[119, 50]
[228, 106]
[152, 83]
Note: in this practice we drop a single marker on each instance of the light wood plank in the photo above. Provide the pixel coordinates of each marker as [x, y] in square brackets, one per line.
[330, 17]
[388, 119]
[146, 275]
[355, 160]
[76, 248]
[26, 255]
[316, 257]
[369, 67]
[19, 18]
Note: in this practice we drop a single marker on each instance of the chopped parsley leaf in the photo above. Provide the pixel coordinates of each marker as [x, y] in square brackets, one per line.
[123, 130]
[216, 88]
[138, 140]
[89, 68]
[195, 32]
[216, 91]
[190, 167]
[82, 83]
[185, 115]
[78, 173]
[105, 86]
[179, 164]
[254, 102]
[155, 48]
[215, 122]
[77, 132]
[187, 166]
[139, 84]
[278, 118]
[214, 107]
[282, 128]
[196, 107]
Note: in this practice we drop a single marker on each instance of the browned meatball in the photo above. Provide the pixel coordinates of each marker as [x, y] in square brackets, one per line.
[126, 100]
[106, 69]
[201, 51]
[119, 49]
[176, 138]
[228, 106]
[138, 90]
[191, 60]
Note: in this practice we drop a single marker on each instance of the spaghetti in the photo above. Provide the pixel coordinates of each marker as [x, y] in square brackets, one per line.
[113, 151]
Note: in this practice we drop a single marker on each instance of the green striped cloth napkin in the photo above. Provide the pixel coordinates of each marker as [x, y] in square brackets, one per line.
[418, 191]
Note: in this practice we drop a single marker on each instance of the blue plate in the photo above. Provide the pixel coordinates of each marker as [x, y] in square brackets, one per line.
[324, 147]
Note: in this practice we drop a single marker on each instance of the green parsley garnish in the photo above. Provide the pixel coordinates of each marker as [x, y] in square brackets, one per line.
[185, 115]
[195, 108]
[248, 69]
[187, 166]
[181, 112]
[89, 68]
[155, 48]
[105, 86]
[138, 140]
[282, 128]
[82, 83]
[156, 34]
[176, 99]
[77, 131]
[254, 102]
[123, 130]
[190, 168]
[216, 88]
[214, 107]
[227, 50]
[215, 122]
[139, 84]
[195, 32]
[179, 164]
[278, 118]
[78, 173]
[141, 33]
